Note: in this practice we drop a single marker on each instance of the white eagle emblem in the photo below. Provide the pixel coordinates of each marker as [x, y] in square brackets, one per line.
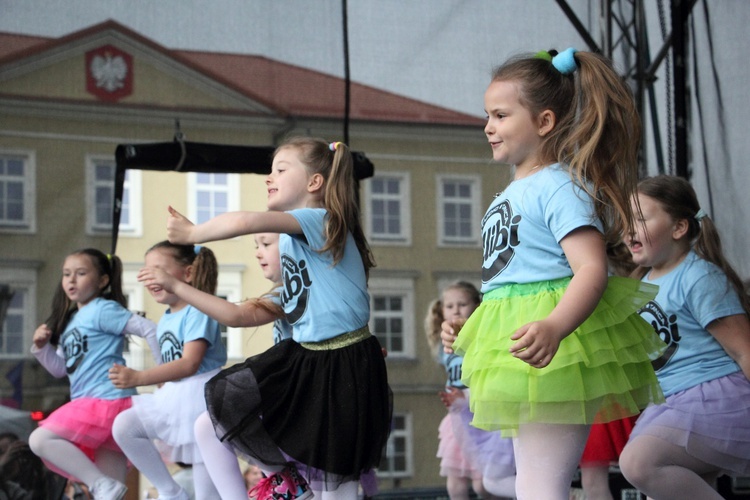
[109, 72]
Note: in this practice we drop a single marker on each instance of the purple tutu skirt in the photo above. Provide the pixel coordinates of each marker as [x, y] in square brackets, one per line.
[711, 421]
[491, 454]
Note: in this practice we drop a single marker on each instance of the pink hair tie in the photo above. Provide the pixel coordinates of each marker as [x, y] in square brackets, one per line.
[333, 146]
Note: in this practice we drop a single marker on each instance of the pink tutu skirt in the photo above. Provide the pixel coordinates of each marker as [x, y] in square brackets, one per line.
[711, 421]
[453, 460]
[87, 423]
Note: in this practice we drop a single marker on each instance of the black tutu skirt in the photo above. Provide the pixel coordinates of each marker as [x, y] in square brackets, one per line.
[328, 409]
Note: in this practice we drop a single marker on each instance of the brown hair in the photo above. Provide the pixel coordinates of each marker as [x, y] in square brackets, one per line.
[203, 260]
[434, 317]
[339, 196]
[597, 131]
[677, 198]
[63, 307]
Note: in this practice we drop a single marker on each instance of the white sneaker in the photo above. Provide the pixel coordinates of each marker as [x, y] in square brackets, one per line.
[106, 488]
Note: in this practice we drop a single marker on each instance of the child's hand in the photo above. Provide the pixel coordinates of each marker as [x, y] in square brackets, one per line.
[537, 343]
[41, 336]
[179, 228]
[450, 395]
[123, 377]
[449, 333]
[154, 277]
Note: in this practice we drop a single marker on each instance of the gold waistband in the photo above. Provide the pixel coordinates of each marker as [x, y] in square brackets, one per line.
[343, 340]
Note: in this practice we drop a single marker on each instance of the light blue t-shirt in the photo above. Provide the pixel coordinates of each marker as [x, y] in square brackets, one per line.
[691, 296]
[321, 300]
[522, 228]
[452, 363]
[186, 325]
[92, 342]
[282, 329]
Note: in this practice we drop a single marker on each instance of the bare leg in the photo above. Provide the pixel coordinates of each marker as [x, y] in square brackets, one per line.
[595, 482]
[664, 471]
[458, 487]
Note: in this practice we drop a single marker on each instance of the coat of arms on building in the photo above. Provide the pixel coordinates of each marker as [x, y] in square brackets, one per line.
[109, 73]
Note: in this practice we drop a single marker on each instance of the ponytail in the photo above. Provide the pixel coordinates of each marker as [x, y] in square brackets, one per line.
[678, 199]
[201, 258]
[597, 130]
[335, 164]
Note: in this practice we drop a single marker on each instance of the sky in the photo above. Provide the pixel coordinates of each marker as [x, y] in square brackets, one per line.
[437, 51]
[443, 51]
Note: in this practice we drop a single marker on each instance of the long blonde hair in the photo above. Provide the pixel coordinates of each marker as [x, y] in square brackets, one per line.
[597, 131]
[340, 194]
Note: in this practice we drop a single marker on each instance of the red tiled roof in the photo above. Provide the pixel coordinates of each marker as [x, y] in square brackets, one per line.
[288, 89]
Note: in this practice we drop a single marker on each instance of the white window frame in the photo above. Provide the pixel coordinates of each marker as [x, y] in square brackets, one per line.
[407, 434]
[404, 198]
[138, 349]
[28, 224]
[232, 190]
[405, 289]
[230, 286]
[475, 182]
[133, 187]
[22, 278]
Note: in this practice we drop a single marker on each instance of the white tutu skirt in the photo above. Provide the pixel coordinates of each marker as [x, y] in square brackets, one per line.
[169, 413]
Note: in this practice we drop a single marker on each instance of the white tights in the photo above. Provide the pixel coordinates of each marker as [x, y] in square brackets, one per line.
[132, 436]
[69, 458]
[220, 460]
[662, 470]
[224, 469]
[547, 457]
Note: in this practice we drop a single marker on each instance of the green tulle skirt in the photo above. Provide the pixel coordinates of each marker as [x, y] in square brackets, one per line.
[601, 372]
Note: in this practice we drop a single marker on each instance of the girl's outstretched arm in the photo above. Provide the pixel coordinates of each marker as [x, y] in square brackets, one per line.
[245, 314]
[733, 333]
[192, 355]
[538, 341]
[228, 225]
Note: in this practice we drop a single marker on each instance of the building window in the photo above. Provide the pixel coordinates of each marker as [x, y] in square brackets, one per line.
[19, 324]
[392, 315]
[230, 288]
[136, 349]
[210, 195]
[100, 179]
[17, 191]
[458, 210]
[397, 459]
[388, 218]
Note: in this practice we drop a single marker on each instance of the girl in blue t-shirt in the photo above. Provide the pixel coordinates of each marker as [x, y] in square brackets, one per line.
[320, 399]
[468, 456]
[701, 312]
[556, 344]
[83, 338]
[191, 352]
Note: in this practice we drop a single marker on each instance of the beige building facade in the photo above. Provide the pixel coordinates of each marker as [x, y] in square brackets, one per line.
[66, 104]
